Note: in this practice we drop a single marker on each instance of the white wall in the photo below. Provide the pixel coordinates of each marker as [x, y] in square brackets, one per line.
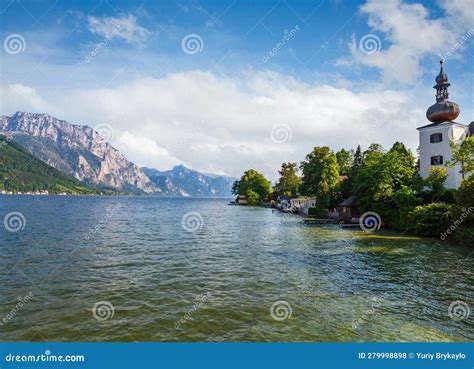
[449, 131]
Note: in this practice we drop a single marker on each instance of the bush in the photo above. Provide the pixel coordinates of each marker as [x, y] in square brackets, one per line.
[317, 212]
[430, 220]
[465, 212]
[448, 196]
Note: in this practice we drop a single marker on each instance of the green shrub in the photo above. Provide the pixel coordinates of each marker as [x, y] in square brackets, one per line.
[318, 213]
[464, 212]
[430, 220]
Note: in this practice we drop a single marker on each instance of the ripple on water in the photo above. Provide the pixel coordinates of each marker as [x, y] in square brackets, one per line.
[153, 271]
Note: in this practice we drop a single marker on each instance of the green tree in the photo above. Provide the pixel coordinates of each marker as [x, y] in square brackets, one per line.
[435, 182]
[344, 160]
[464, 212]
[254, 186]
[289, 182]
[383, 179]
[463, 154]
[320, 175]
[346, 187]
[373, 153]
[235, 188]
[357, 162]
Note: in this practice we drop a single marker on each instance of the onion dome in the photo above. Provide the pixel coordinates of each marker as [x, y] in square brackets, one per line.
[441, 77]
[443, 110]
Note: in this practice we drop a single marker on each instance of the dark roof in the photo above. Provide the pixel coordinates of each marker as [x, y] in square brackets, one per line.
[471, 128]
[440, 124]
[351, 201]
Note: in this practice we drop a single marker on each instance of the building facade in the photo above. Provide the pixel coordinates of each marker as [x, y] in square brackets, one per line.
[302, 205]
[436, 138]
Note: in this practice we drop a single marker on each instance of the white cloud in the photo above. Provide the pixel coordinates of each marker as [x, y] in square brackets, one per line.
[15, 97]
[145, 151]
[410, 33]
[219, 124]
[460, 13]
[214, 123]
[125, 27]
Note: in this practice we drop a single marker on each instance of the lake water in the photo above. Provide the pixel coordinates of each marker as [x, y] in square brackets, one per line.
[133, 269]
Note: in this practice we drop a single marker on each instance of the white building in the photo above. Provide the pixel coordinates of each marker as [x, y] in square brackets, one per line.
[302, 205]
[435, 138]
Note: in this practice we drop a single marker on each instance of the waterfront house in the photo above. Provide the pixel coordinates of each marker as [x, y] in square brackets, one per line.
[284, 202]
[242, 200]
[302, 205]
[348, 212]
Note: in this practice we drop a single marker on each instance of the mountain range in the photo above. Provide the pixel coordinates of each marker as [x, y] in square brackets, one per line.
[82, 153]
[181, 181]
[22, 172]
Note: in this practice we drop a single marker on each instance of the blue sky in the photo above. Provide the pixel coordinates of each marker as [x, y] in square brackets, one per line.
[341, 73]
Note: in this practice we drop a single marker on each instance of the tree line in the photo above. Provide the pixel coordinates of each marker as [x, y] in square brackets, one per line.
[383, 181]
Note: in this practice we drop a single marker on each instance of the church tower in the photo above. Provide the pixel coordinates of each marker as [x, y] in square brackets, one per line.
[435, 138]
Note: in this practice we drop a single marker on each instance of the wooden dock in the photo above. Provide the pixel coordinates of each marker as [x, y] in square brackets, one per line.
[320, 221]
[331, 221]
[355, 225]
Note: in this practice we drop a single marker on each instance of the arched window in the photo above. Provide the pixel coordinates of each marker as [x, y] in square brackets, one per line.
[436, 137]
[437, 160]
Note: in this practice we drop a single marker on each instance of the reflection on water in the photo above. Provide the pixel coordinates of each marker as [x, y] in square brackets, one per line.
[157, 281]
